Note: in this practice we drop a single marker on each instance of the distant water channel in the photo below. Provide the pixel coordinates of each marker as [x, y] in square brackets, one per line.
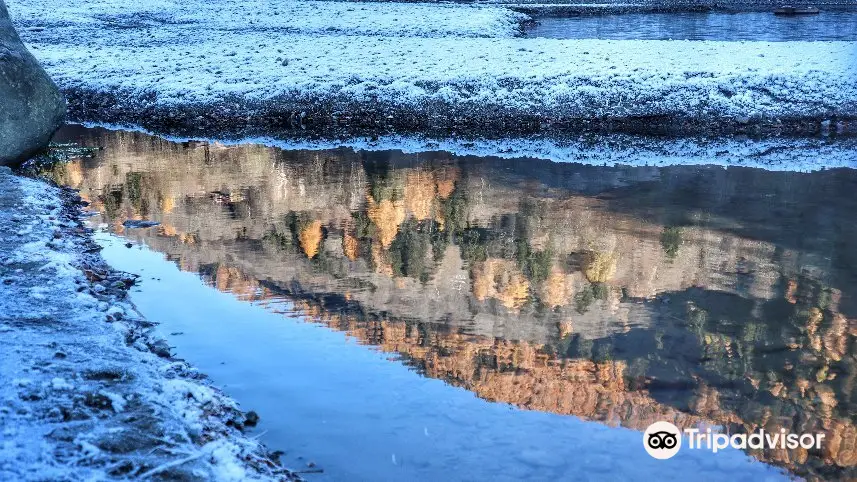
[764, 26]
[427, 316]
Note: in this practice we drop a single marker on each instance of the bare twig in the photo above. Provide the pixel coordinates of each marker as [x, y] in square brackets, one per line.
[172, 464]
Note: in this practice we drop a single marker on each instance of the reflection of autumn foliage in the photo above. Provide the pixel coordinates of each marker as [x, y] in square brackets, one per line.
[445, 188]
[556, 290]
[310, 238]
[841, 445]
[387, 216]
[836, 338]
[500, 279]
[350, 246]
[565, 328]
[600, 267]
[229, 279]
[446, 179]
[791, 291]
[419, 194]
[189, 238]
[167, 230]
[167, 204]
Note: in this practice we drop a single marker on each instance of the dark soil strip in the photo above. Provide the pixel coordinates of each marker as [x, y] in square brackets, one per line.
[237, 117]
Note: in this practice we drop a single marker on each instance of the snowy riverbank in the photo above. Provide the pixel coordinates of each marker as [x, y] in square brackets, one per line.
[256, 66]
[88, 392]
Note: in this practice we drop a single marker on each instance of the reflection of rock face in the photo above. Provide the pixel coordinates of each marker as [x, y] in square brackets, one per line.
[658, 295]
[31, 107]
[531, 377]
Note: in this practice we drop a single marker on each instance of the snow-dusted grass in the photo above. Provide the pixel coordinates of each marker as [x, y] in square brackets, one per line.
[82, 395]
[403, 57]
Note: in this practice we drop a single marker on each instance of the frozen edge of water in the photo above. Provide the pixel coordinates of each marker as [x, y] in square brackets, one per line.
[773, 154]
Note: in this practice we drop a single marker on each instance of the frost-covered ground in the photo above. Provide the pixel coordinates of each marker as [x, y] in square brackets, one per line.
[415, 66]
[84, 394]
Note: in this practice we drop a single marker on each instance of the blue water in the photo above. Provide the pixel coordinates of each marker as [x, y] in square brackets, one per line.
[701, 26]
[351, 411]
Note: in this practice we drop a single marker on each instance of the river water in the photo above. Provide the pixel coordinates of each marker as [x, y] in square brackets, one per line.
[764, 26]
[428, 316]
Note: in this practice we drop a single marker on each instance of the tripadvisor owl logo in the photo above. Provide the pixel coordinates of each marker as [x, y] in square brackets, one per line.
[662, 440]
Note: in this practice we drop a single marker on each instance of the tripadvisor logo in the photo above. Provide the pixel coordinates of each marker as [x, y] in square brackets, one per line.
[662, 440]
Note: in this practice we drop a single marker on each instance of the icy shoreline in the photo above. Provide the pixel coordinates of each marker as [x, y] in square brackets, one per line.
[328, 67]
[773, 154]
[89, 392]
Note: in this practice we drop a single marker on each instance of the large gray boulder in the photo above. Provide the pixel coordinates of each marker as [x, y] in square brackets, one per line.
[31, 106]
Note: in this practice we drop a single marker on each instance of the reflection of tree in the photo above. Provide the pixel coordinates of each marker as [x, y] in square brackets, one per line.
[310, 238]
[134, 188]
[502, 280]
[410, 250]
[453, 211]
[600, 267]
[556, 290]
[112, 202]
[536, 265]
[350, 246]
[671, 241]
[386, 216]
[588, 295]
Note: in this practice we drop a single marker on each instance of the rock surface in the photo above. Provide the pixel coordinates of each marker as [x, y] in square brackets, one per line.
[31, 106]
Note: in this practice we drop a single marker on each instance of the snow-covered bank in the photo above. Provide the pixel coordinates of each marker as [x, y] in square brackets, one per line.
[84, 394]
[227, 65]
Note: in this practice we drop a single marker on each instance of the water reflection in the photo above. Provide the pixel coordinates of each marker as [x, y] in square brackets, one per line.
[623, 295]
[828, 25]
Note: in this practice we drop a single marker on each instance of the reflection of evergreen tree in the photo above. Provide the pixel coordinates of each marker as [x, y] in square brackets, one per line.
[454, 212]
[472, 244]
[671, 241]
[590, 294]
[378, 175]
[112, 200]
[536, 265]
[135, 188]
[439, 243]
[363, 227]
[409, 250]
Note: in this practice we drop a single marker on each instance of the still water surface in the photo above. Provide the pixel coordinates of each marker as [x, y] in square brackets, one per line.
[763, 26]
[400, 316]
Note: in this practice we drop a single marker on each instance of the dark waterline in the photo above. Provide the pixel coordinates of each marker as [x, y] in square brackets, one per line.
[762, 26]
[400, 316]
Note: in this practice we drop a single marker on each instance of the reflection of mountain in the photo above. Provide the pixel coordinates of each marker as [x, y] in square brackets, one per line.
[625, 295]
